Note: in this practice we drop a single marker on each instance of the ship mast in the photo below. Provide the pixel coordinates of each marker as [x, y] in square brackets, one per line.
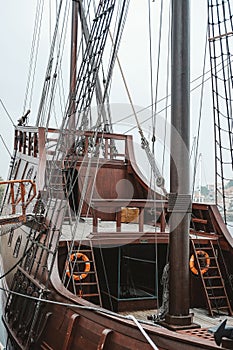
[179, 198]
[73, 63]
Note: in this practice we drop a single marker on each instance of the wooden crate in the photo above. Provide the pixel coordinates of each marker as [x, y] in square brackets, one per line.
[129, 215]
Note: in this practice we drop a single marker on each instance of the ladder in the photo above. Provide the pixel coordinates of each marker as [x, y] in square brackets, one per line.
[200, 219]
[82, 276]
[212, 280]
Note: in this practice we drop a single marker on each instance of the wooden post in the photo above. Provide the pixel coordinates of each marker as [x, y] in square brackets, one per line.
[178, 316]
[141, 219]
[118, 220]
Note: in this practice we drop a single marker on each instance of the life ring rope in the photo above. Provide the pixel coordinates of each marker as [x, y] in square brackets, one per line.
[201, 253]
[77, 276]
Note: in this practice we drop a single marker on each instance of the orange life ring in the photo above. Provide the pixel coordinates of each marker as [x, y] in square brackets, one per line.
[79, 276]
[207, 262]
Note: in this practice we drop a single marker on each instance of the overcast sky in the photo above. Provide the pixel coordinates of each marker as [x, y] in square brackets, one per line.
[16, 26]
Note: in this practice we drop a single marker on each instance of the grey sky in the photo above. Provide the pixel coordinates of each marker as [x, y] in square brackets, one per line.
[16, 26]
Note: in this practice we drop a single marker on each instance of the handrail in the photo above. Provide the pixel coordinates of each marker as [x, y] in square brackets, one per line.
[129, 202]
[15, 201]
[119, 203]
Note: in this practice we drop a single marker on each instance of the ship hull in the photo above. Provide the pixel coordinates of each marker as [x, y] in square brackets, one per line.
[42, 311]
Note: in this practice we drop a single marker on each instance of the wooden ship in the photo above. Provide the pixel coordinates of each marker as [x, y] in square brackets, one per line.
[86, 239]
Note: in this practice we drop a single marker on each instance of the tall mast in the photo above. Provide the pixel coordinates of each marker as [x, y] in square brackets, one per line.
[73, 63]
[179, 199]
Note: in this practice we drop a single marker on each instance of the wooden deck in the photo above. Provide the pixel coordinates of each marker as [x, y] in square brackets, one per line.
[201, 318]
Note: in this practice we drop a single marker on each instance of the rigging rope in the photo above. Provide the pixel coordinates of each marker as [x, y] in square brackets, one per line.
[143, 332]
[162, 99]
[85, 86]
[99, 97]
[115, 44]
[157, 77]
[60, 51]
[144, 142]
[167, 87]
[91, 308]
[220, 33]
[49, 68]
[199, 122]
[7, 113]
[34, 53]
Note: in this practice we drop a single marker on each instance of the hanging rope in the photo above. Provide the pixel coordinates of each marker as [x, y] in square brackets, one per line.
[144, 142]
[55, 204]
[166, 98]
[115, 44]
[157, 77]
[33, 55]
[57, 69]
[163, 310]
[220, 47]
[167, 88]
[199, 123]
[47, 82]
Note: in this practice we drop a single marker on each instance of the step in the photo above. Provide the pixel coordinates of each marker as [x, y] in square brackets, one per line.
[215, 287]
[215, 306]
[211, 277]
[83, 272]
[213, 267]
[90, 295]
[81, 262]
[200, 221]
[218, 297]
[81, 284]
[81, 251]
[203, 248]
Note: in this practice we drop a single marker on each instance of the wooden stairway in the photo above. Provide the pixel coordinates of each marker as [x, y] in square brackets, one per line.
[83, 274]
[208, 270]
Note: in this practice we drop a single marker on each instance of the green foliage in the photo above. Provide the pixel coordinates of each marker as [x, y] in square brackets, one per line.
[204, 191]
[229, 184]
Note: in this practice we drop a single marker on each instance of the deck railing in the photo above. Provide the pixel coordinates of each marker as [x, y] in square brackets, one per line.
[116, 205]
[20, 195]
[32, 141]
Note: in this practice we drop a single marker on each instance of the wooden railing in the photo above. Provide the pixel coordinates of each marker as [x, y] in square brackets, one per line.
[18, 195]
[116, 206]
[26, 141]
[32, 141]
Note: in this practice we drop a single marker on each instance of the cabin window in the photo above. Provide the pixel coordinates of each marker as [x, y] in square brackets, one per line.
[17, 247]
[10, 237]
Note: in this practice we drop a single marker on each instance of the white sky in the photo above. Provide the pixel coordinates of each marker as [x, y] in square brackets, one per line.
[16, 25]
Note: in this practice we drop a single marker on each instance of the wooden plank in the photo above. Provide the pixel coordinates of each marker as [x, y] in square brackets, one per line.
[103, 338]
[199, 221]
[118, 238]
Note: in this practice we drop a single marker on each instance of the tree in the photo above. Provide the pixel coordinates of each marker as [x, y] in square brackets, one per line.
[204, 191]
[229, 184]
